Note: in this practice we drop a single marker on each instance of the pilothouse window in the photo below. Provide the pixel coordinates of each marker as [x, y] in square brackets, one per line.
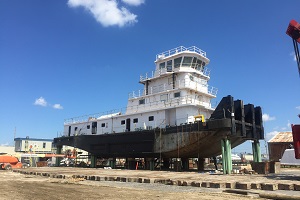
[162, 65]
[169, 66]
[177, 62]
[187, 61]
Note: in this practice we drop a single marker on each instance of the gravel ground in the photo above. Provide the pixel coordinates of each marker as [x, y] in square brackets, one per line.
[19, 186]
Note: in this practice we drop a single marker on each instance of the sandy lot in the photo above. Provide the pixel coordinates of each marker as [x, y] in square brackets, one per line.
[18, 186]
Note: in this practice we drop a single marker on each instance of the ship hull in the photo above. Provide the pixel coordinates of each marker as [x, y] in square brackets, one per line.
[199, 139]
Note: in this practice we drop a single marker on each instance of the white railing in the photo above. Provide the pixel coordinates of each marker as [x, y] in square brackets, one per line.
[180, 84]
[203, 70]
[180, 49]
[188, 99]
[93, 117]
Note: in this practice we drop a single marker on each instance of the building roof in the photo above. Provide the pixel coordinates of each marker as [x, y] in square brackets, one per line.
[7, 150]
[33, 139]
[282, 137]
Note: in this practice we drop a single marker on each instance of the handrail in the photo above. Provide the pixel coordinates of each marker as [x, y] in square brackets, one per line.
[179, 84]
[178, 50]
[146, 107]
[205, 71]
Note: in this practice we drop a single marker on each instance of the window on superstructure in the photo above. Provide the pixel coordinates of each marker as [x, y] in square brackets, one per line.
[135, 120]
[75, 129]
[169, 65]
[164, 97]
[187, 61]
[176, 94]
[194, 63]
[142, 101]
[44, 145]
[191, 78]
[162, 65]
[177, 62]
[103, 125]
[88, 126]
[151, 118]
[199, 65]
[122, 122]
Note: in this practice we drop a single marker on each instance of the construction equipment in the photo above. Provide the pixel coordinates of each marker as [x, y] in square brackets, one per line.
[10, 162]
[293, 31]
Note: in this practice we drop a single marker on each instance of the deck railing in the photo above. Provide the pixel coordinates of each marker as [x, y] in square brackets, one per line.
[203, 71]
[184, 100]
[180, 84]
[145, 107]
[178, 50]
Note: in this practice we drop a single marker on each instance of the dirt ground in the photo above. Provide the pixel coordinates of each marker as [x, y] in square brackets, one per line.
[19, 186]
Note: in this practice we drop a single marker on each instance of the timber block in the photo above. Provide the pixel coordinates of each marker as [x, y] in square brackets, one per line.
[179, 183]
[297, 187]
[123, 179]
[130, 179]
[284, 186]
[270, 187]
[140, 180]
[146, 180]
[195, 184]
[230, 185]
[205, 184]
[217, 185]
[168, 182]
[242, 186]
[184, 183]
[255, 186]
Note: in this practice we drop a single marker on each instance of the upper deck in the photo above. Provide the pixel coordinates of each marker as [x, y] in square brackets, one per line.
[178, 50]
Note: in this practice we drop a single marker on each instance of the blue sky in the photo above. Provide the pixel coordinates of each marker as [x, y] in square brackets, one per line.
[60, 59]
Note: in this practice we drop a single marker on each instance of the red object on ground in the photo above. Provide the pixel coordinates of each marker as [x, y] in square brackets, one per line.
[293, 30]
[296, 138]
[9, 162]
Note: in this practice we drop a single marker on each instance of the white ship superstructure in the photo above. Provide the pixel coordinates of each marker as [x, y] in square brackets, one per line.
[177, 92]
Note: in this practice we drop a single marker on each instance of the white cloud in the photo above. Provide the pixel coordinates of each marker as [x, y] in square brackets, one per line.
[40, 102]
[294, 56]
[134, 2]
[298, 107]
[289, 125]
[270, 135]
[108, 12]
[266, 117]
[57, 106]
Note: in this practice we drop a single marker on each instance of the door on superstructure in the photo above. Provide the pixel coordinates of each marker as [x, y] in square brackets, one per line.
[128, 124]
[94, 127]
[171, 117]
[69, 131]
